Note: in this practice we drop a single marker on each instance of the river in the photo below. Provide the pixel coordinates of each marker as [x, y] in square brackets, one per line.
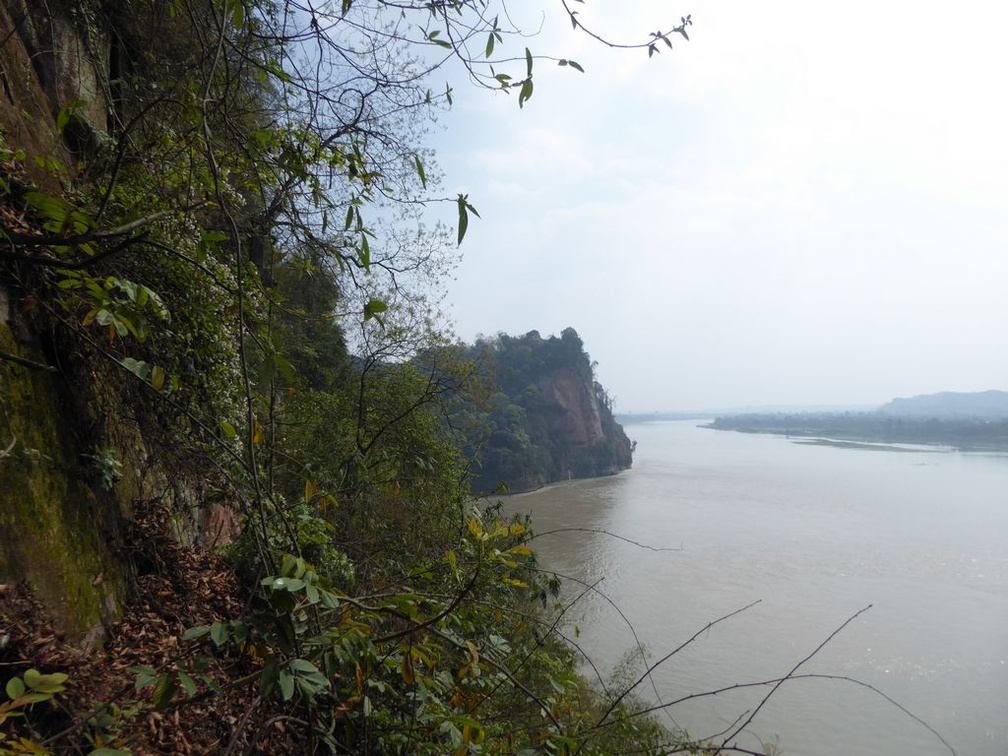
[815, 534]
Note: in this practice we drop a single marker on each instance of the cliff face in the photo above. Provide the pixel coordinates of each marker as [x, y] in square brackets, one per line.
[547, 420]
[581, 423]
[74, 455]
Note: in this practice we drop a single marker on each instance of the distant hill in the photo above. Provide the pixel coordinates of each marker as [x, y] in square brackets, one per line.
[949, 404]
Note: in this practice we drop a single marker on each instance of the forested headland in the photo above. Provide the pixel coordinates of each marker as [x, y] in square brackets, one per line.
[545, 417]
[235, 502]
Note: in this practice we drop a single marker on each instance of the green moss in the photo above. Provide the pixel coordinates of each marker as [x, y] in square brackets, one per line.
[53, 526]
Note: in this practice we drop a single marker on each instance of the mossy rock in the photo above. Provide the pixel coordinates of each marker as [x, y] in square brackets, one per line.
[57, 525]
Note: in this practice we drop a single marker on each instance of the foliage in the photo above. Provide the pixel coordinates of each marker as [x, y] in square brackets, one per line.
[24, 692]
[461, 662]
[240, 264]
[106, 466]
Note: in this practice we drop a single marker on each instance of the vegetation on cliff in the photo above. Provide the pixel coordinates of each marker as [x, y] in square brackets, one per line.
[215, 276]
[546, 418]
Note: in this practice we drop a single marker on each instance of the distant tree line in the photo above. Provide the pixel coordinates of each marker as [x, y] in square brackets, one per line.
[966, 433]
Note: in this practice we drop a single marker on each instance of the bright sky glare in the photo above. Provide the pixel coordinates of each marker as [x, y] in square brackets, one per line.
[805, 204]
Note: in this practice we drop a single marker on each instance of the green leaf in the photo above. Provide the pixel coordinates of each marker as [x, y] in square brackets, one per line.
[434, 37]
[144, 681]
[303, 666]
[164, 691]
[196, 632]
[373, 308]
[365, 251]
[268, 678]
[420, 170]
[188, 683]
[212, 684]
[45, 683]
[575, 65]
[312, 593]
[528, 62]
[124, 325]
[158, 376]
[525, 93]
[283, 366]
[286, 685]
[489, 45]
[239, 631]
[48, 206]
[219, 633]
[292, 566]
[139, 368]
[15, 688]
[228, 429]
[284, 583]
[463, 217]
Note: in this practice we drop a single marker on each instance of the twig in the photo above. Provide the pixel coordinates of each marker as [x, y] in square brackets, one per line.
[889, 699]
[629, 624]
[81, 721]
[27, 363]
[240, 727]
[52, 262]
[37, 240]
[608, 533]
[794, 669]
[668, 656]
[524, 661]
[792, 678]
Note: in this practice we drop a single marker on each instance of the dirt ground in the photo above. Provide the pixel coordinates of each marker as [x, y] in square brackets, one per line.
[175, 588]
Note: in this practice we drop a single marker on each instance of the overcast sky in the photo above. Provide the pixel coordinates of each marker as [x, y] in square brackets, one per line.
[805, 204]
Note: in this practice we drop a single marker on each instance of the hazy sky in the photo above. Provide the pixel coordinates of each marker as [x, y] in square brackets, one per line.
[805, 204]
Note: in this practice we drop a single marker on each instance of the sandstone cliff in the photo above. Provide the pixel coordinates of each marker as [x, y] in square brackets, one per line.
[547, 418]
[581, 422]
[76, 448]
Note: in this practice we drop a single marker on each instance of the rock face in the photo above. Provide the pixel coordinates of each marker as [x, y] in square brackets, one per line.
[548, 419]
[74, 455]
[581, 423]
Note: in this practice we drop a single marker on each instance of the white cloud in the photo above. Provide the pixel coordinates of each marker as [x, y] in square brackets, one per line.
[806, 203]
